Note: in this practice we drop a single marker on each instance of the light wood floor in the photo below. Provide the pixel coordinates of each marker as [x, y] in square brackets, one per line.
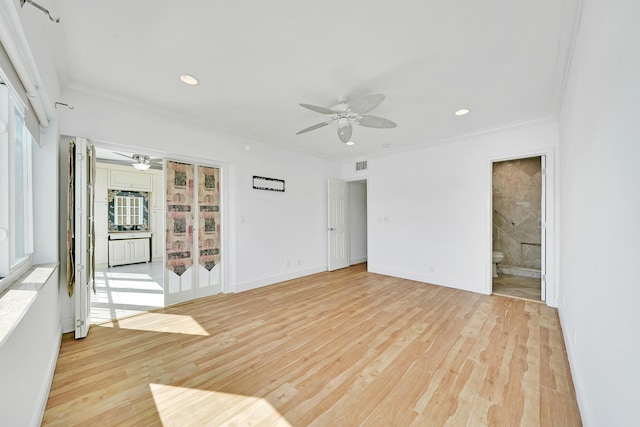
[343, 348]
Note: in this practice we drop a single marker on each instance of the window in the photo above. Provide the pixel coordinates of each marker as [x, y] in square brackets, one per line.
[128, 210]
[21, 188]
[16, 216]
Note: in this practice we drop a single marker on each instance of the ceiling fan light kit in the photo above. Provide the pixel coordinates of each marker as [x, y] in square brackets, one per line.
[141, 162]
[345, 113]
[141, 166]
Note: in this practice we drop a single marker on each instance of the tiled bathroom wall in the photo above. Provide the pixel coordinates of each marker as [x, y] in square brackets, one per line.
[517, 192]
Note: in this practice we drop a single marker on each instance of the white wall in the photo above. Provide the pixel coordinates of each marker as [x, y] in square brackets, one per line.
[271, 236]
[600, 213]
[28, 360]
[28, 357]
[357, 222]
[430, 209]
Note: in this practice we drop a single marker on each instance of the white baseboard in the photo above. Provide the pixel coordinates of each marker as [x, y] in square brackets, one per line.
[431, 279]
[241, 287]
[43, 396]
[67, 325]
[577, 383]
[358, 260]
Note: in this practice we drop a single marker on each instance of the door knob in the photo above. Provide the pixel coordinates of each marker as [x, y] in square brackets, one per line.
[331, 229]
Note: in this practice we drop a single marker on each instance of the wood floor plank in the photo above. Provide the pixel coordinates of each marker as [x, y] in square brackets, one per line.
[336, 348]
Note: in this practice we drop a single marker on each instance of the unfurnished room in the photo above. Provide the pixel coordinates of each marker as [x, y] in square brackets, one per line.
[365, 213]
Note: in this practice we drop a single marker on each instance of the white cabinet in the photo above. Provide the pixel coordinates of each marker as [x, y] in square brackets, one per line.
[128, 251]
[101, 217]
[157, 193]
[134, 180]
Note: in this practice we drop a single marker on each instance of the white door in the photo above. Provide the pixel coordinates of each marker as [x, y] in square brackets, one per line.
[543, 232]
[338, 223]
[84, 234]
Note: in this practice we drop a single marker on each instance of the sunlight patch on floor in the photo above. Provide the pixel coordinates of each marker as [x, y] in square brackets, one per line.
[124, 275]
[178, 406]
[160, 322]
[125, 293]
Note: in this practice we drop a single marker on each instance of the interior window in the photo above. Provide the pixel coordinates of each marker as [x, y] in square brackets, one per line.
[128, 210]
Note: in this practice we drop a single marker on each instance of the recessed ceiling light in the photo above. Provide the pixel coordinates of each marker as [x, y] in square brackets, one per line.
[188, 79]
[350, 143]
[462, 112]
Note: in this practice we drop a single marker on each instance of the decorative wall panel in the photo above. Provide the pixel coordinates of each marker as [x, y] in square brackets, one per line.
[179, 191]
[209, 216]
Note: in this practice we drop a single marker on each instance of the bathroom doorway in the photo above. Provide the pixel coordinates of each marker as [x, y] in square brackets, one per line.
[518, 228]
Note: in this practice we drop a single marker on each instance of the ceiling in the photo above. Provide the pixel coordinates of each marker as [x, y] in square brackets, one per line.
[256, 60]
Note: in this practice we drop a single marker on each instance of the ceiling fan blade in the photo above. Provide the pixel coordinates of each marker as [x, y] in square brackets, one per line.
[367, 103]
[375, 122]
[317, 109]
[344, 132]
[314, 127]
[123, 155]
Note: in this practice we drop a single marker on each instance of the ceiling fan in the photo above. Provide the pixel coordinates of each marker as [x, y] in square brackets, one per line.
[345, 113]
[141, 162]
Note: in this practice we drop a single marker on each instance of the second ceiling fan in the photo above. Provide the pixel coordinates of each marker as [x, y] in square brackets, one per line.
[345, 113]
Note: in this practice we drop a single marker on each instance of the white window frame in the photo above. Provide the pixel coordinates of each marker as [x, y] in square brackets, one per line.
[10, 267]
[131, 210]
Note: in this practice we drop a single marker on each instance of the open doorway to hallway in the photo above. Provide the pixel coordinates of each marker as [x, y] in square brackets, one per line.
[357, 222]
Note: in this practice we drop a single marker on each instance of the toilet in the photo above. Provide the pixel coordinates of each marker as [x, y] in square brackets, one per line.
[497, 258]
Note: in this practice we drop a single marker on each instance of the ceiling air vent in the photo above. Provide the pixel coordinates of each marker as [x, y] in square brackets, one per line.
[361, 166]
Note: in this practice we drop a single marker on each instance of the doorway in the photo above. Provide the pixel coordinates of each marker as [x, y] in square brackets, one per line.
[518, 228]
[357, 222]
[347, 223]
[129, 236]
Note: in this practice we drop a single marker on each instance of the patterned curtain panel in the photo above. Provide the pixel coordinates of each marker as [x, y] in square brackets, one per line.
[209, 216]
[179, 225]
[71, 268]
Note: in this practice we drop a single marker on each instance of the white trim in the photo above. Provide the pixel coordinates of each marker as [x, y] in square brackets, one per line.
[551, 240]
[430, 279]
[43, 395]
[255, 284]
[359, 260]
[16, 45]
[564, 60]
[578, 385]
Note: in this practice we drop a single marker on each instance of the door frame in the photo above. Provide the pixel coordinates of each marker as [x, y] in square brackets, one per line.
[224, 199]
[224, 286]
[550, 202]
[348, 230]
